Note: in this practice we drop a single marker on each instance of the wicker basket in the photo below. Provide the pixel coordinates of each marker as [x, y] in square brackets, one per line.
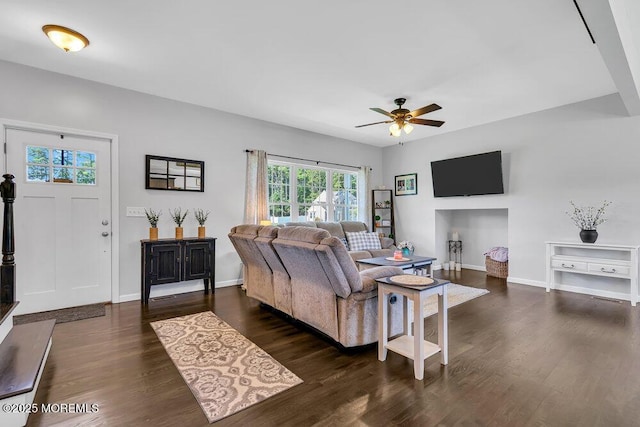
[497, 268]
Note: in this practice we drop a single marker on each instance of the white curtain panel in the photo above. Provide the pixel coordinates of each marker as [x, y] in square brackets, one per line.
[364, 191]
[255, 201]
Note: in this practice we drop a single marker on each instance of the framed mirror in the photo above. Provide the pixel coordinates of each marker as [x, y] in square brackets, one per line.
[170, 173]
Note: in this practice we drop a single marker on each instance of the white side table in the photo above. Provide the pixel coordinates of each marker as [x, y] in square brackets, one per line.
[414, 346]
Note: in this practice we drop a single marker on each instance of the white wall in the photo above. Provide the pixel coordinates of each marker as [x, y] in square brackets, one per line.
[151, 125]
[586, 152]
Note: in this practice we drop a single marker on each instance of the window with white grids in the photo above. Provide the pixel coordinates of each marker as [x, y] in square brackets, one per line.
[60, 166]
[303, 193]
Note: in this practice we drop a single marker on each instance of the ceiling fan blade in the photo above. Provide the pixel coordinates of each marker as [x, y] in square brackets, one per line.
[376, 123]
[436, 123]
[381, 111]
[424, 110]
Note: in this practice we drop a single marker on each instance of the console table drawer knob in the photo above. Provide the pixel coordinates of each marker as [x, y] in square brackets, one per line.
[613, 270]
[568, 265]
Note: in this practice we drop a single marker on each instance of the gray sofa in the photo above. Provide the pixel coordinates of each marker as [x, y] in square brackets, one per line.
[309, 275]
[338, 229]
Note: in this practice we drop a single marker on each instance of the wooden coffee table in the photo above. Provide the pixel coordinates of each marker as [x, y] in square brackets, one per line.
[412, 346]
[412, 261]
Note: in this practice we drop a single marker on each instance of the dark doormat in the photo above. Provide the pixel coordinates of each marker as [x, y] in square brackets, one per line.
[63, 315]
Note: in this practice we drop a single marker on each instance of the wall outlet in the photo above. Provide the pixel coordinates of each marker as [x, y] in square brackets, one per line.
[135, 212]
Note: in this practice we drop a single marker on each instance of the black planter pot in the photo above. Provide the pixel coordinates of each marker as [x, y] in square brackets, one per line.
[588, 236]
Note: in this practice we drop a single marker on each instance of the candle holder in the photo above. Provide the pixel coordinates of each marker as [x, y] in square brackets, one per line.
[455, 255]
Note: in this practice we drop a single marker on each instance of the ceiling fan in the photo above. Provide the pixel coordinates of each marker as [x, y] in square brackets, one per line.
[403, 118]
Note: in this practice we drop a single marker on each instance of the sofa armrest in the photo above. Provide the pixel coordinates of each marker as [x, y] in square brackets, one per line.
[356, 255]
[370, 275]
[387, 243]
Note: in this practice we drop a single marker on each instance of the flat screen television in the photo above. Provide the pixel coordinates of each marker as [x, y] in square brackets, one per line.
[468, 176]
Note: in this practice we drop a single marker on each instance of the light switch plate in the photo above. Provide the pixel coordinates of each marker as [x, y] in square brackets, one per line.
[135, 211]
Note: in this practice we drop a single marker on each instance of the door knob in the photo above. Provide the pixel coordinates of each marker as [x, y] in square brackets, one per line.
[105, 233]
[105, 222]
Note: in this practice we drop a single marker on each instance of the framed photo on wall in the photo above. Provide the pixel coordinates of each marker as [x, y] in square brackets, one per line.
[407, 185]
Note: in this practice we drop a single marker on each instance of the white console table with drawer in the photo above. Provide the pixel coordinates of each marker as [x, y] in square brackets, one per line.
[619, 261]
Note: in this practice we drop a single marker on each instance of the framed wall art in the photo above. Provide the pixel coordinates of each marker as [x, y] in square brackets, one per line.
[407, 185]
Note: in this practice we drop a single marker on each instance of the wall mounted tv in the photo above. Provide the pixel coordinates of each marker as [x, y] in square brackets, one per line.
[468, 176]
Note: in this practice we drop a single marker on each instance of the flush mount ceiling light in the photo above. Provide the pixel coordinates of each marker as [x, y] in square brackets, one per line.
[65, 38]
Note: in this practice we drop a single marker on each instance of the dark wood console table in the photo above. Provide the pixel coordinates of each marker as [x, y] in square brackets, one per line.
[172, 260]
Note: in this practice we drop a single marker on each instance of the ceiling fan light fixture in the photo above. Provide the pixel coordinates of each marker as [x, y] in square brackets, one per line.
[407, 128]
[402, 118]
[65, 38]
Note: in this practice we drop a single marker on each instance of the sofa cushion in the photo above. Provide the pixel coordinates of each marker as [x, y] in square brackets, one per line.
[363, 241]
[339, 267]
[257, 277]
[301, 224]
[303, 234]
[376, 253]
[334, 228]
[353, 226]
[281, 279]
[358, 255]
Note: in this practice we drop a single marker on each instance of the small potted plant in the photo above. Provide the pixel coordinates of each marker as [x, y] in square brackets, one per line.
[201, 217]
[587, 219]
[153, 217]
[377, 218]
[178, 217]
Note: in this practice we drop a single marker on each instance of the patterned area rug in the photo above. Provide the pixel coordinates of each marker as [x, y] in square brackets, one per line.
[225, 371]
[63, 315]
[456, 294]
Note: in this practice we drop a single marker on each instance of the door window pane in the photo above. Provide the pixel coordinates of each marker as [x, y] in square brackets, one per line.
[63, 157]
[38, 173]
[64, 175]
[38, 155]
[85, 159]
[86, 176]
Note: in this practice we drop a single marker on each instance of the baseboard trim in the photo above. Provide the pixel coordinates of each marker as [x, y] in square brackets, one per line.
[474, 267]
[177, 288]
[592, 292]
[468, 266]
[528, 282]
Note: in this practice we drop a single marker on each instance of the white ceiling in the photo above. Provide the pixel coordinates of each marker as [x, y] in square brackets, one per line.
[320, 65]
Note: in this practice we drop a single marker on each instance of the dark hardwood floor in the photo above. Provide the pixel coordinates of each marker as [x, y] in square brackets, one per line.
[517, 357]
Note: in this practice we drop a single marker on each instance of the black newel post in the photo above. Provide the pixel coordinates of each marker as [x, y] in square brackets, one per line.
[8, 267]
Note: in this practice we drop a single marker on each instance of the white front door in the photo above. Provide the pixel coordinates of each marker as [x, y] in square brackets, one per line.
[62, 217]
